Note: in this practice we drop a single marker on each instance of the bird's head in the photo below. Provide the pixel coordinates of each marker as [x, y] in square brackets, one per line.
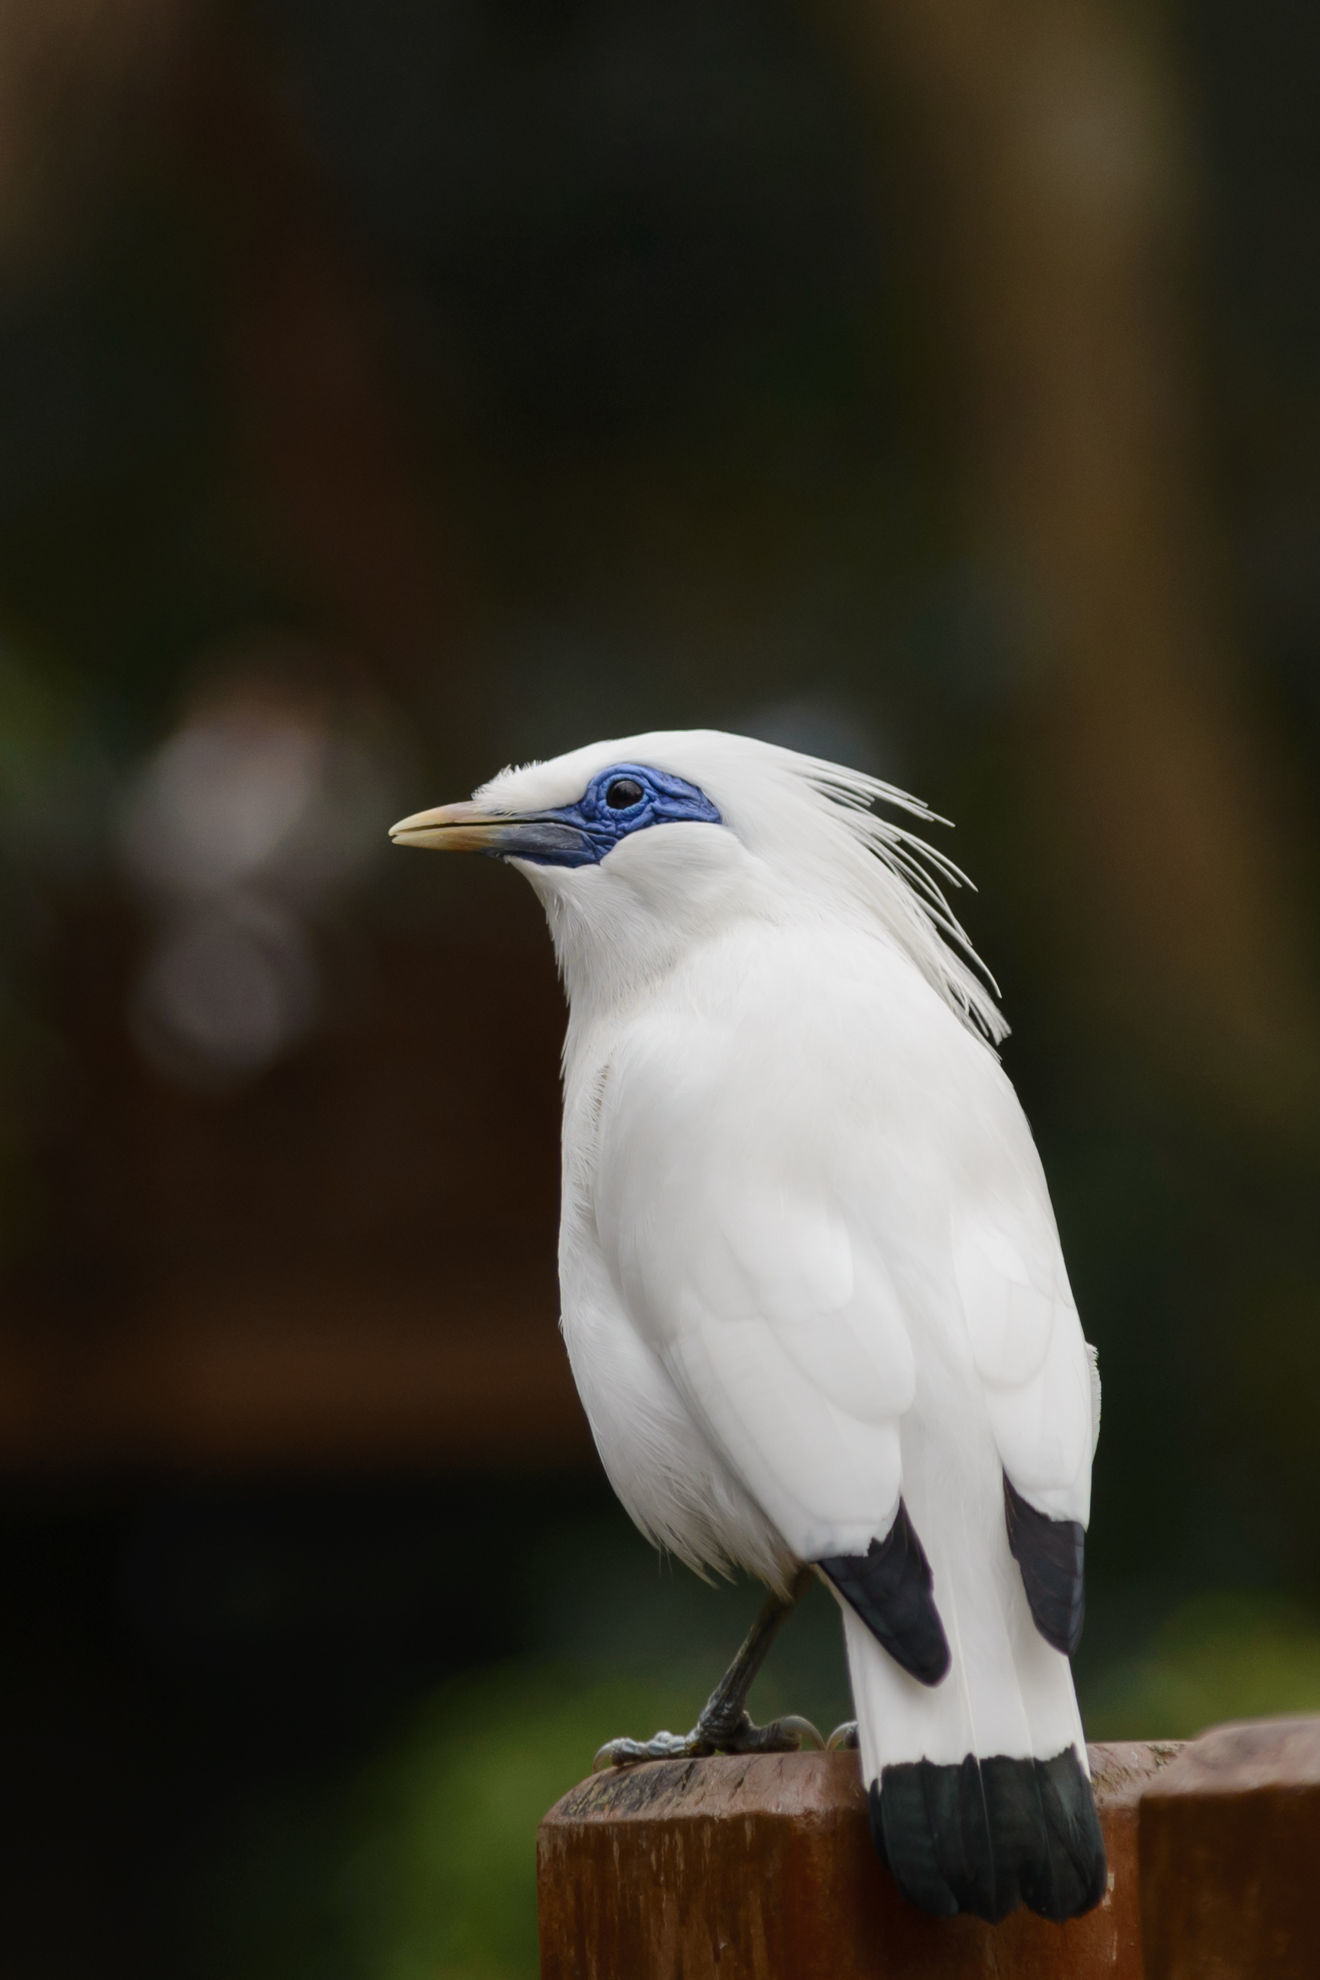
[641, 848]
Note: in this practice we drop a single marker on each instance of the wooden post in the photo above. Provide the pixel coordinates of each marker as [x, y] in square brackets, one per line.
[1230, 1856]
[762, 1869]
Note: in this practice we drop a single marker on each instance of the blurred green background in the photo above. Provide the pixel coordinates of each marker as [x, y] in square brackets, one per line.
[391, 391]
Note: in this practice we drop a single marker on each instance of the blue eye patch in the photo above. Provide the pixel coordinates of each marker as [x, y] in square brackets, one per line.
[618, 802]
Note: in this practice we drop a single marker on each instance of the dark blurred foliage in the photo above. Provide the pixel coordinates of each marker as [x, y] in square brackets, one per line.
[389, 392]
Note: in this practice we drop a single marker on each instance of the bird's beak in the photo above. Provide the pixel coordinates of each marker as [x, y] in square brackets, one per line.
[469, 827]
[459, 828]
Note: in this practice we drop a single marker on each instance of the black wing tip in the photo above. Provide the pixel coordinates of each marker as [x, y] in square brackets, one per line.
[932, 1663]
[889, 1587]
[984, 1836]
[1051, 1555]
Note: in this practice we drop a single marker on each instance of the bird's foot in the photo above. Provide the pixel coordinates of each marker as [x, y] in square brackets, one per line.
[844, 1738]
[790, 1734]
[627, 1752]
[711, 1735]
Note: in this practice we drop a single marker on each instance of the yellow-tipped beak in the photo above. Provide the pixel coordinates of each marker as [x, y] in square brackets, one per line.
[459, 828]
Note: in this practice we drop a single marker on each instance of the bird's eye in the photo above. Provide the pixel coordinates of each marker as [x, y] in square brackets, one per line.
[623, 793]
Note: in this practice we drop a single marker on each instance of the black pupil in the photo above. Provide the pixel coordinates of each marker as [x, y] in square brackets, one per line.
[622, 793]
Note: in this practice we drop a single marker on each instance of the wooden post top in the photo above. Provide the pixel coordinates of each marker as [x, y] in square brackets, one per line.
[762, 1868]
[1229, 1843]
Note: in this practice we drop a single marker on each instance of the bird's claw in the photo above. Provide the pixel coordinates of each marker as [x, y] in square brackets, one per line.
[787, 1735]
[627, 1752]
[843, 1739]
[791, 1734]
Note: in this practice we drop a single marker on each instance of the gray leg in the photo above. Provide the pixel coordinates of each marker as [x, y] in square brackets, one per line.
[724, 1725]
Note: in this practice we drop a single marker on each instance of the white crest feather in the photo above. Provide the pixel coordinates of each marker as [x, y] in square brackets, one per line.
[915, 907]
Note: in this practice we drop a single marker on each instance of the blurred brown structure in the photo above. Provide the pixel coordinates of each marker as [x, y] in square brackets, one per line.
[350, 1263]
[1049, 170]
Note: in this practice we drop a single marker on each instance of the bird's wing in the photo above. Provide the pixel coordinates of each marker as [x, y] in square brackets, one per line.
[777, 1321]
[1040, 1382]
[759, 1237]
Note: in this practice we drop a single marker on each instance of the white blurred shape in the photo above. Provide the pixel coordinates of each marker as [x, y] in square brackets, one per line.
[218, 800]
[239, 831]
[226, 991]
[251, 789]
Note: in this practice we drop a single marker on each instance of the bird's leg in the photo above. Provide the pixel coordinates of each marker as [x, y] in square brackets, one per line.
[724, 1725]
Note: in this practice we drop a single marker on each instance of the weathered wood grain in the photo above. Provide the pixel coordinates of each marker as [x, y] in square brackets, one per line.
[1230, 1854]
[762, 1869]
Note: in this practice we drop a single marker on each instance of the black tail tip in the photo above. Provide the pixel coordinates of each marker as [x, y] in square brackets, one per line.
[987, 1835]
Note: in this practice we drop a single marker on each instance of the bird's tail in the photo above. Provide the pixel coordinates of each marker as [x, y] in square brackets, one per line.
[980, 1795]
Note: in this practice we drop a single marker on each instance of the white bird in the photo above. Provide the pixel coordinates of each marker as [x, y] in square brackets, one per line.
[813, 1292]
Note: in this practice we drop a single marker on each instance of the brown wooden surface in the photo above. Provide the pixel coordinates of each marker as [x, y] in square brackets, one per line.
[1230, 1850]
[762, 1869]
